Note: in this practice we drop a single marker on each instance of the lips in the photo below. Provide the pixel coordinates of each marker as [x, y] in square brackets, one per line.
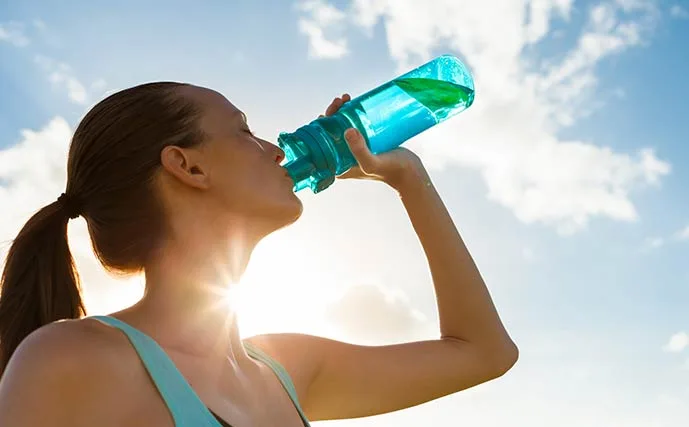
[287, 176]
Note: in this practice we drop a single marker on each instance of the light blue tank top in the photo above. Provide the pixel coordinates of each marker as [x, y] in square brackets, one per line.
[184, 404]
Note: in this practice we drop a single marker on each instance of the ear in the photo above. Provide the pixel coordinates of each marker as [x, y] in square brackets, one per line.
[185, 164]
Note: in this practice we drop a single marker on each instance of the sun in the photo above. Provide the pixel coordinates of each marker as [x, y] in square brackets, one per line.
[279, 292]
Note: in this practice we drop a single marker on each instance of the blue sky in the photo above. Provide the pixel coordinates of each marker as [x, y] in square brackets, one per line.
[566, 177]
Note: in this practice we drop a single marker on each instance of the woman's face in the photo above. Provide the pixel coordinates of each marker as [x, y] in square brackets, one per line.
[244, 170]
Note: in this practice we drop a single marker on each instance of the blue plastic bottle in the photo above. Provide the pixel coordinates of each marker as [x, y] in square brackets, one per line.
[387, 116]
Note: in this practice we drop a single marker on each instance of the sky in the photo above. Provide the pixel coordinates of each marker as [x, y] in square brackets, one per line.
[565, 177]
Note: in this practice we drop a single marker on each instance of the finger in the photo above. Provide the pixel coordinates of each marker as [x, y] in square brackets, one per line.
[333, 107]
[330, 110]
[357, 145]
[353, 172]
[346, 97]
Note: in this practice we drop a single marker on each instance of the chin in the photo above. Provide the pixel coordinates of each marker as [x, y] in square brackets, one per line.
[296, 208]
[288, 211]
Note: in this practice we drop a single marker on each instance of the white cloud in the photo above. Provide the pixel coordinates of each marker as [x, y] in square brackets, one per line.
[677, 342]
[540, 12]
[35, 165]
[683, 234]
[13, 33]
[62, 75]
[39, 24]
[605, 36]
[678, 11]
[655, 242]
[658, 241]
[632, 5]
[373, 314]
[321, 18]
[33, 173]
[511, 135]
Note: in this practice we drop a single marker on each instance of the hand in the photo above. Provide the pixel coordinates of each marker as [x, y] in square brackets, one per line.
[394, 167]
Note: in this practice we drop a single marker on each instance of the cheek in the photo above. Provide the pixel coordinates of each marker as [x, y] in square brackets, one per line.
[245, 180]
[241, 175]
[232, 162]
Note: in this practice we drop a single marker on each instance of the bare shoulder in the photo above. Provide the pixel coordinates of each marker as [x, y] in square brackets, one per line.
[63, 368]
[66, 346]
[299, 354]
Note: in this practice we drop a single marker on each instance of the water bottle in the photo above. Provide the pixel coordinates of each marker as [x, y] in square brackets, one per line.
[387, 116]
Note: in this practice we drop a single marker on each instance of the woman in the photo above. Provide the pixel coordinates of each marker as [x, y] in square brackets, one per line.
[173, 183]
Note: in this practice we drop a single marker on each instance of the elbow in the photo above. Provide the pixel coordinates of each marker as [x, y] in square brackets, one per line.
[495, 359]
[504, 358]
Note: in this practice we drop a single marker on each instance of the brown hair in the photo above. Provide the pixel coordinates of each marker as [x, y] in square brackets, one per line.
[113, 158]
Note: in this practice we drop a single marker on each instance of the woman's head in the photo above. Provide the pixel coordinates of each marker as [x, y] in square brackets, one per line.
[233, 176]
[141, 162]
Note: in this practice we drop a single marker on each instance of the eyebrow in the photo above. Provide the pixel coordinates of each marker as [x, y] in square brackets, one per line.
[241, 113]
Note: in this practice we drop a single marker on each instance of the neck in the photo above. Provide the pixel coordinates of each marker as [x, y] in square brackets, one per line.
[192, 318]
[186, 305]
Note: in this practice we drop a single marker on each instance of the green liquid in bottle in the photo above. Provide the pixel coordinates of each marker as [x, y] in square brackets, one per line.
[440, 97]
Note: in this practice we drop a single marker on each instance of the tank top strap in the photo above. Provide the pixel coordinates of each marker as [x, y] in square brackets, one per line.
[281, 373]
[184, 404]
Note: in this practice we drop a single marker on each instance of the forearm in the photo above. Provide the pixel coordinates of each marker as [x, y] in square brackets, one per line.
[465, 308]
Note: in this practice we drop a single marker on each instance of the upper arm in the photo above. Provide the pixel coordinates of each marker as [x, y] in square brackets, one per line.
[47, 380]
[347, 381]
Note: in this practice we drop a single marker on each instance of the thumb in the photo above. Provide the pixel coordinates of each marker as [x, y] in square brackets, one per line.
[361, 152]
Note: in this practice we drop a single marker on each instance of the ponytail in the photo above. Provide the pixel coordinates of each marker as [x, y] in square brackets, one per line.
[113, 160]
[39, 282]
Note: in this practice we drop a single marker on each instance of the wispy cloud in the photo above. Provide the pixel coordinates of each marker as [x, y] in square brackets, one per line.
[605, 34]
[655, 242]
[529, 255]
[683, 234]
[373, 314]
[677, 342]
[62, 75]
[677, 11]
[321, 18]
[512, 133]
[59, 73]
[13, 33]
[39, 24]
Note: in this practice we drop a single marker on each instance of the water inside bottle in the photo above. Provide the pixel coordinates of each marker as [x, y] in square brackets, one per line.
[403, 108]
[387, 116]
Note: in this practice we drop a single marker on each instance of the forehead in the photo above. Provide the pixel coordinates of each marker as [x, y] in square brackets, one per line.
[217, 111]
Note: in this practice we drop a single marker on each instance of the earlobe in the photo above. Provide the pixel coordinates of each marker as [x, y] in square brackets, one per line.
[185, 165]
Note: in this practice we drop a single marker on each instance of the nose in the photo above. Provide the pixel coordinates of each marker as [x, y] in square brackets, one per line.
[279, 154]
[276, 152]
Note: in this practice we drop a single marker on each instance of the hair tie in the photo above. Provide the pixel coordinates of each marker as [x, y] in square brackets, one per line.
[70, 206]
